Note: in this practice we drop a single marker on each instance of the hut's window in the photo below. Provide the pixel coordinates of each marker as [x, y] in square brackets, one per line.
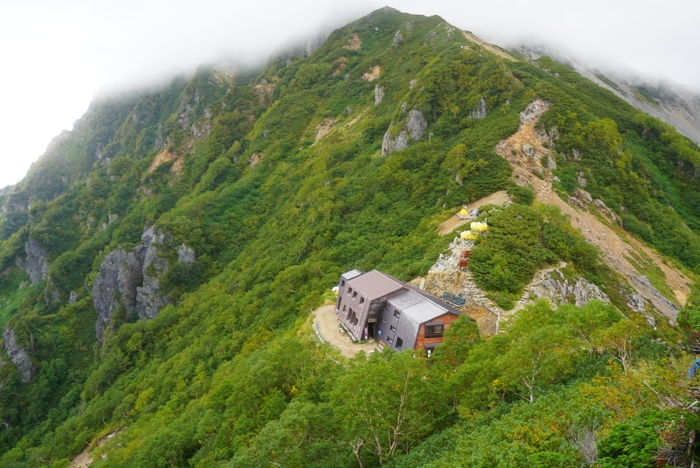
[392, 328]
[434, 330]
[362, 300]
[397, 313]
[399, 343]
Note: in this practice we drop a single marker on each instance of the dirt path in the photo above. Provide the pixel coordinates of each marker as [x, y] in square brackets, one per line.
[326, 327]
[496, 198]
[525, 151]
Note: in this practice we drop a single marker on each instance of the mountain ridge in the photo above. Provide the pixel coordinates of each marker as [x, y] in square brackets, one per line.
[235, 202]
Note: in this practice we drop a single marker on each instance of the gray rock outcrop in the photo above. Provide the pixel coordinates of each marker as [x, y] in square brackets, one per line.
[414, 128]
[149, 300]
[186, 255]
[657, 300]
[73, 298]
[397, 143]
[35, 265]
[115, 287]
[553, 285]
[130, 280]
[378, 94]
[416, 124]
[18, 355]
[480, 111]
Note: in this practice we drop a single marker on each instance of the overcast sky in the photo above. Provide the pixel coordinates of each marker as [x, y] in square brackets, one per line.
[57, 54]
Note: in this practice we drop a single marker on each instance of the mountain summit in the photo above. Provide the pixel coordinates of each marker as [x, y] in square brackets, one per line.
[164, 267]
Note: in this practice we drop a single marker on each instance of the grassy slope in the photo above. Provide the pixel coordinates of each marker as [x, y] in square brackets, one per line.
[204, 381]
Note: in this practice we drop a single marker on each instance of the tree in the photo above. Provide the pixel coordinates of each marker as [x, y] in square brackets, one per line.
[387, 404]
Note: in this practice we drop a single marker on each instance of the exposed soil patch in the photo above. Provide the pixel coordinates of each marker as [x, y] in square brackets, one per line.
[354, 43]
[255, 159]
[324, 127]
[497, 198]
[372, 74]
[161, 158]
[327, 327]
[178, 166]
[83, 460]
[339, 65]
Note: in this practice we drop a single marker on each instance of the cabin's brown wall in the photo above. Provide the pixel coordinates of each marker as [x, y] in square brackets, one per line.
[421, 341]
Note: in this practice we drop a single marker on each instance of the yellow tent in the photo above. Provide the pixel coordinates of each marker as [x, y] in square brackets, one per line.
[469, 235]
[464, 212]
[477, 226]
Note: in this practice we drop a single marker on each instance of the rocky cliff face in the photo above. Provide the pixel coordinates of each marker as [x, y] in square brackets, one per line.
[18, 355]
[149, 299]
[553, 285]
[414, 129]
[115, 287]
[36, 264]
[130, 280]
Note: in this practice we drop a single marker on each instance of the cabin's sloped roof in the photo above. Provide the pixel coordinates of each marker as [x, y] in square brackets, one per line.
[448, 308]
[348, 275]
[417, 307]
[375, 284]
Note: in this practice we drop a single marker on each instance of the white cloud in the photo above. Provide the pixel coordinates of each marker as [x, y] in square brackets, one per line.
[55, 55]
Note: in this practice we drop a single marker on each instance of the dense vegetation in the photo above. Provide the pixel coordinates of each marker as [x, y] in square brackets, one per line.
[231, 374]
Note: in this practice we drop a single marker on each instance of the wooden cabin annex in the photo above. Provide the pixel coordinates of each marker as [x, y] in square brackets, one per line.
[377, 306]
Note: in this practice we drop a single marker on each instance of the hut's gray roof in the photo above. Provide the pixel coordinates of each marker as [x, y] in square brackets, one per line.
[417, 307]
[375, 284]
[348, 275]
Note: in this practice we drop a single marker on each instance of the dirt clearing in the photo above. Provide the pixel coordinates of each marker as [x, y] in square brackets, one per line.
[327, 327]
[496, 198]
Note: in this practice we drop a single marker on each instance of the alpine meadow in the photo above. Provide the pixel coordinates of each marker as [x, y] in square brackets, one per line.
[164, 267]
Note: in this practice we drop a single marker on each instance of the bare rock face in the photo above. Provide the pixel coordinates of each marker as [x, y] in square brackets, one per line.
[36, 265]
[657, 300]
[115, 287]
[149, 299]
[397, 143]
[480, 111]
[130, 280]
[416, 124]
[557, 288]
[186, 255]
[415, 128]
[18, 355]
[378, 94]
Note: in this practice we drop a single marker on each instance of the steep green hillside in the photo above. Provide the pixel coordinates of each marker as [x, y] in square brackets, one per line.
[160, 263]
